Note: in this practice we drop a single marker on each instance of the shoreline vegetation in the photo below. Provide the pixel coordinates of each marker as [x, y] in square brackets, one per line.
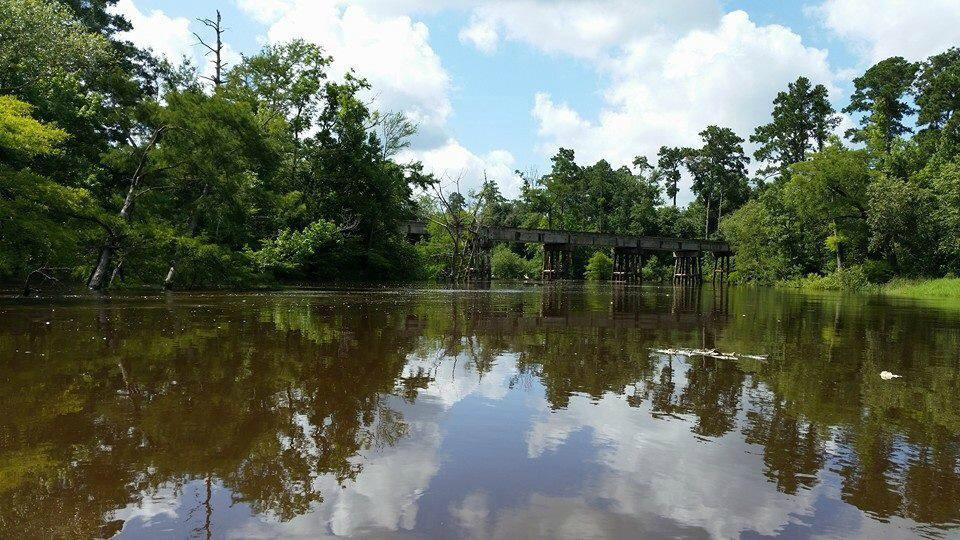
[119, 169]
[946, 287]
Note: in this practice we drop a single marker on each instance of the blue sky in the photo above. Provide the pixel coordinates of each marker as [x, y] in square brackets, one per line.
[499, 85]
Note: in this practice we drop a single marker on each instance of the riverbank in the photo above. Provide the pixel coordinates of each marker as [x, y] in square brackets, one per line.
[854, 281]
[933, 288]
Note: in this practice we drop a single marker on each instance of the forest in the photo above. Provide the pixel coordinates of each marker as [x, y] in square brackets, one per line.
[120, 169]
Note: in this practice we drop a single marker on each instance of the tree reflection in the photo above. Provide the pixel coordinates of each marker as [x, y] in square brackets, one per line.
[267, 399]
[265, 405]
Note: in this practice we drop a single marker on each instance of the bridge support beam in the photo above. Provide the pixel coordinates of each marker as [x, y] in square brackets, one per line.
[722, 264]
[687, 267]
[627, 265]
[557, 261]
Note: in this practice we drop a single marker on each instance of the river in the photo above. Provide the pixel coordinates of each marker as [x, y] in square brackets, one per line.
[565, 411]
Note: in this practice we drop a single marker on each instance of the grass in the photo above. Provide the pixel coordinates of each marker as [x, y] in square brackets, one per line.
[854, 279]
[924, 288]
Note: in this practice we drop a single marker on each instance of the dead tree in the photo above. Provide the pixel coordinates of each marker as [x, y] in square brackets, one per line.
[462, 225]
[215, 50]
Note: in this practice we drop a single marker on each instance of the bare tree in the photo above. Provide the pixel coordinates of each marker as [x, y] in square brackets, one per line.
[215, 50]
[459, 219]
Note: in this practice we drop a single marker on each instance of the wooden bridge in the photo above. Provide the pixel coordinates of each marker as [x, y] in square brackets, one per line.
[629, 251]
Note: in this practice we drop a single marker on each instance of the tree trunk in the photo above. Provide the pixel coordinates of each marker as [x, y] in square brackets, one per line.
[720, 209]
[98, 278]
[706, 221]
[839, 249]
[191, 231]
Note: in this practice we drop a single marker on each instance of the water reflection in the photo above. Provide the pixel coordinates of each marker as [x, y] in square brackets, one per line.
[497, 413]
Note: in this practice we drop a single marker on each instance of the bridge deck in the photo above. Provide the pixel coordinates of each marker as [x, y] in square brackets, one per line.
[547, 236]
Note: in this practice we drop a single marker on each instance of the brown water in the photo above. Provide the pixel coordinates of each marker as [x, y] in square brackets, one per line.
[504, 413]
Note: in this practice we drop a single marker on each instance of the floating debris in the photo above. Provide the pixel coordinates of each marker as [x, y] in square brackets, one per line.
[711, 353]
[886, 375]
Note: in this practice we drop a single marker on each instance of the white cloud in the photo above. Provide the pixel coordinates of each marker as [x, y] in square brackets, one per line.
[664, 91]
[482, 34]
[392, 51]
[167, 36]
[452, 160]
[265, 11]
[884, 28]
[581, 28]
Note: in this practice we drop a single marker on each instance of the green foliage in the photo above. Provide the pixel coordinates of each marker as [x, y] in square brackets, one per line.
[206, 265]
[852, 278]
[802, 117]
[938, 101]
[113, 160]
[42, 223]
[21, 133]
[880, 95]
[901, 230]
[944, 182]
[600, 267]
[719, 170]
[505, 264]
[594, 198]
[877, 272]
[291, 252]
[669, 162]
[758, 235]
[277, 173]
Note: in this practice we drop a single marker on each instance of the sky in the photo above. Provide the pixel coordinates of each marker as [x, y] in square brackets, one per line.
[499, 85]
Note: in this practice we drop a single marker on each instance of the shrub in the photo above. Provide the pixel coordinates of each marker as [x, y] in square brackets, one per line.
[600, 267]
[505, 264]
[852, 278]
[877, 271]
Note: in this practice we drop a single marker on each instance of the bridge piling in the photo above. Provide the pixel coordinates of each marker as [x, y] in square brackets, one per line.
[688, 267]
[627, 265]
[557, 260]
[721, 266]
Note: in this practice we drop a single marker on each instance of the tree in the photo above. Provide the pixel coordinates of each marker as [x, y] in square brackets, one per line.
[880, 95]
[215, 50]
[669, 163]
[565, 191]
[901, 229]
[103, 271]
[505, 264]
[719, 170]
[761, 254]
[599, 267]
[284, 84]
[215, 156]
[802, 119]
[938, 100]
[42, 222]
[52, 61]
[395, 132]
[829, 192]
